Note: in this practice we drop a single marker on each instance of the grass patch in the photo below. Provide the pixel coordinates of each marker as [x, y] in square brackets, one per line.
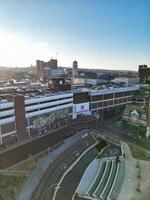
[138, 138]
[29, 164]
[144, 142]
[138, 152]
[10, 186]
[32, 162]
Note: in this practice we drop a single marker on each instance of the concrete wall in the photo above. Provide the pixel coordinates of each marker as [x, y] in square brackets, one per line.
[17, 154]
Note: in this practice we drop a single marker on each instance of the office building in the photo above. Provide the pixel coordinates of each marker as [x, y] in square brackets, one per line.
[41, 65]
[144, 74]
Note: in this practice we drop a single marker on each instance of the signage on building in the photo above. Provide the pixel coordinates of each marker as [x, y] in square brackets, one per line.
[82, 108]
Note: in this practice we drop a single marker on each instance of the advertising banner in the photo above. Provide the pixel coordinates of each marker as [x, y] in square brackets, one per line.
[82, 108]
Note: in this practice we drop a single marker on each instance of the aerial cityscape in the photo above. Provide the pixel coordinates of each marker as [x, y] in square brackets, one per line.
[75, 100]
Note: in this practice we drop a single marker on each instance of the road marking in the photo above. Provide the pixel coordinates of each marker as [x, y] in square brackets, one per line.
[71, 167]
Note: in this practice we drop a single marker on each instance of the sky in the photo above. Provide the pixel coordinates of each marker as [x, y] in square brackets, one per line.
[107, 34]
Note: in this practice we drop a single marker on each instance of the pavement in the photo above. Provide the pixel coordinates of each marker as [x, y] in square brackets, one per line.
[135, 188]
[15, 173]
[37, 175]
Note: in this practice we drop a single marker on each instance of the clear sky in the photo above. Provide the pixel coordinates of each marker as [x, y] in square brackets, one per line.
[112, 34]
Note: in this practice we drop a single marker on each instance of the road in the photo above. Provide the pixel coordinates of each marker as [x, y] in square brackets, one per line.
[37, 175]
[73, 178]
[52, 176]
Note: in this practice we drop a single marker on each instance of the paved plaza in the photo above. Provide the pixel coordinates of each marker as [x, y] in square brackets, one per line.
[136, 185]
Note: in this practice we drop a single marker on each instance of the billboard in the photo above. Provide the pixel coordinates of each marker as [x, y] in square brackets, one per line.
[82, 108]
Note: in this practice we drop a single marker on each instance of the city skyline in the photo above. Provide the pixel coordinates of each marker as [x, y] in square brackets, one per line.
[99, 34]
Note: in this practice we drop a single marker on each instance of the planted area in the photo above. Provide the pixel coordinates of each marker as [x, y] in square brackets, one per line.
[33, 160]
[10, 186]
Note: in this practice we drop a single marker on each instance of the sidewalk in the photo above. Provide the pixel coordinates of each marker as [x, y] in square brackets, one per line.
[37, 175]
[131, 182]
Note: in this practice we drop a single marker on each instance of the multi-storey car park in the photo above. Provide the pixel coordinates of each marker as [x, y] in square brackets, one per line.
[18, 113]
[21, 116]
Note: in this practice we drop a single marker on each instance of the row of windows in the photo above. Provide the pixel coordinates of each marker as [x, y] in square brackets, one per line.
[110, 96]
[80, 97]
[110, 102]
[8, 128]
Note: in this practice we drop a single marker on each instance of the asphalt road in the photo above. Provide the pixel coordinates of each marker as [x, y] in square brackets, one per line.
[72, 179]
[49, 181]
[36, 177]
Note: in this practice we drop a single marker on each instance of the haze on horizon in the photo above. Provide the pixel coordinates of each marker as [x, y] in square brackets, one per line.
[99, 33]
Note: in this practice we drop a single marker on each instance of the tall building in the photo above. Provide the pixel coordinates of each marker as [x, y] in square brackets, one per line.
[144, 73]
[75, 69]
[41, 65]
[39, 68]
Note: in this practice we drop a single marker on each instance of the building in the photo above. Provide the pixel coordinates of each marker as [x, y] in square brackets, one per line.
[41, 65]
[137, 117]
[126, 80]
[24, 116]
[57, 73]
[144, 73]
[141, 100]
[79, 82]
[81, 103]
[20, 115]
[108, 99]
[75, 69]
[95, 102]
[58, 81]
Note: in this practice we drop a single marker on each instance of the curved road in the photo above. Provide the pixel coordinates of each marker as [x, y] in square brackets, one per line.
[72, 179]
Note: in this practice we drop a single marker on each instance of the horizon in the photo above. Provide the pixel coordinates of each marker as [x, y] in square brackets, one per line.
[106, 35]
[88, 68]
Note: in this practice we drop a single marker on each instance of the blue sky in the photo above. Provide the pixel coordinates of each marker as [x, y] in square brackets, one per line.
[112, 34]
